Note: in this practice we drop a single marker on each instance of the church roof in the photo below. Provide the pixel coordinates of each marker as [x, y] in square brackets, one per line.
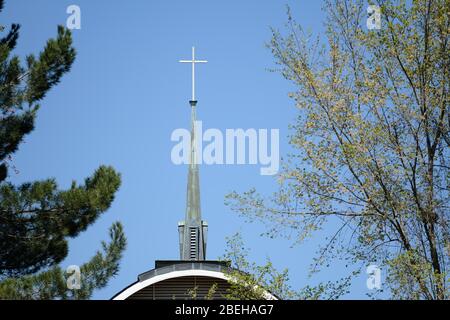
[157, 284]
[175, 279]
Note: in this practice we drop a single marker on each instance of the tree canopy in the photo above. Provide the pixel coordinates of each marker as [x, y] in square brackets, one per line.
[37, 218]
[371, 143]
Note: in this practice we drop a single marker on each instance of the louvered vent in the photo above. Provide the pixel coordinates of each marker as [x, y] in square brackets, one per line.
[193, 236]
[191, 287]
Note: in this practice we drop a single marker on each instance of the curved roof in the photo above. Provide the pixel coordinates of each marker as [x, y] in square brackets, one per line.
[210, 269]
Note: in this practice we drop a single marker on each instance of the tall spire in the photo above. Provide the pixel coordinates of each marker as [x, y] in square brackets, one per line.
[193, 211]
[192, 231]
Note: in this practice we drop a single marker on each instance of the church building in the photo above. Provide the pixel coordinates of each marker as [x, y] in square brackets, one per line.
[193, 275]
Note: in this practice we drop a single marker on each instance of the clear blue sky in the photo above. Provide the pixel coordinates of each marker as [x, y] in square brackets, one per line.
[125, 95]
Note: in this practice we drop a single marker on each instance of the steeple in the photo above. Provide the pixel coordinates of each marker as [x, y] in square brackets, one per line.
[193, 230]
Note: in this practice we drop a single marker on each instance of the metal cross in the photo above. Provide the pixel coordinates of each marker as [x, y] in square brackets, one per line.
[193, 61]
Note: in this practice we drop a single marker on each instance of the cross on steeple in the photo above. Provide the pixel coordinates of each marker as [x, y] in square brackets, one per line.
[193, 61]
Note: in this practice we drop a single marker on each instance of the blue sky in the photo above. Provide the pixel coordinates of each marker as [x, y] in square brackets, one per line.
[125, 95]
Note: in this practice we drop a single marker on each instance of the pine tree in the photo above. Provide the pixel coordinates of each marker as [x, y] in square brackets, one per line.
[37, 218]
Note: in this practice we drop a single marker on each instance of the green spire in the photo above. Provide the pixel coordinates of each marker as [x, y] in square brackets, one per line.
[193, 211]
[193, 230]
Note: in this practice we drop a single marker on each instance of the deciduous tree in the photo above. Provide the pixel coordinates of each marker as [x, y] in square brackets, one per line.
[371, 142]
